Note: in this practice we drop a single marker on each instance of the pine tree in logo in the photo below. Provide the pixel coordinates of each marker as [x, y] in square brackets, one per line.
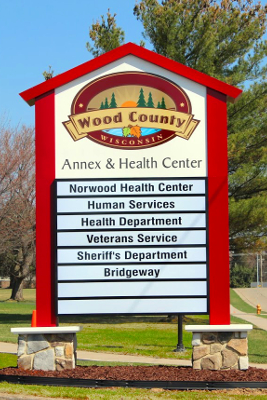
[163, 105]
[113, 103]
[106, 103]
[141, 101]
[102, 106]
[159, 104]
[150, 101]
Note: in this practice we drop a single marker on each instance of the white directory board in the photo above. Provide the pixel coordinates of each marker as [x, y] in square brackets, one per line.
[132, 246]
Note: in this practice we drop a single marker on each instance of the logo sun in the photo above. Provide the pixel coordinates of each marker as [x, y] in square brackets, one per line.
[129, 103]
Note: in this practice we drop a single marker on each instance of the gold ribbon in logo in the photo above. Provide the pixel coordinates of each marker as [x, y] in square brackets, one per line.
[79, 125]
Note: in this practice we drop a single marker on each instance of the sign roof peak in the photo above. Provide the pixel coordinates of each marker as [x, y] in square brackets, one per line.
[31, 94]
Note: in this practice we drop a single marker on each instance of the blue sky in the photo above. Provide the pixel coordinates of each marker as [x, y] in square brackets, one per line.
[35, 34]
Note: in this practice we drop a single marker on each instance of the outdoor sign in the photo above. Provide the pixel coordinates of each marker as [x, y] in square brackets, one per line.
[132, 161]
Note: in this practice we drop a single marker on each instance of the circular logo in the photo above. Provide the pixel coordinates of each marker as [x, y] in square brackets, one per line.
[131, 110]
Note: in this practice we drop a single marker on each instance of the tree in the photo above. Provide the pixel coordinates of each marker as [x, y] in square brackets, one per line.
[106, 105]
[113, 103]
[241, 276]
[224, 39]
[163, 105]
[48, 74]
[150, 102]
[17, 204]
[247, 139]
[141, 101]
[105, 35]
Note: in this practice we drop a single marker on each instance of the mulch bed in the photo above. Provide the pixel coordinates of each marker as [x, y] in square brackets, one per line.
[147, 373]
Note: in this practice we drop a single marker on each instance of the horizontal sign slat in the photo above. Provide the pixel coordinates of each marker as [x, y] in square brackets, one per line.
[124, 204]
[133, 306]
[135, 255]
[130, 289]
[133, 187]
[131, 238]
[128, 272]
[127, 221]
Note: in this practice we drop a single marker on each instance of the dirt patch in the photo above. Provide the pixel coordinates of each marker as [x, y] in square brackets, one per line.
[147, 373]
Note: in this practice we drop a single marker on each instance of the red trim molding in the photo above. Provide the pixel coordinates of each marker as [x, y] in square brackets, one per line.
[33, 93]
[218, 208]
[45, 175]
[217, 94]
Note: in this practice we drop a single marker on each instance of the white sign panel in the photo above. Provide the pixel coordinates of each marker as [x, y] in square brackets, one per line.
[98, 116]
[131, 170]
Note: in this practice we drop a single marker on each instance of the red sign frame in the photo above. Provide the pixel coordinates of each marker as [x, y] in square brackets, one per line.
[218, 93]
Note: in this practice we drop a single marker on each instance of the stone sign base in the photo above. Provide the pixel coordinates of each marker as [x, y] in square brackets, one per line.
[220, 347]
[47, 349]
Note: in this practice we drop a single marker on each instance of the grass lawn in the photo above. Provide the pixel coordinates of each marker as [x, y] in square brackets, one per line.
[151, 336]
[8, 360]
[29, 295]
[154, 336]
[128, 393]
[15, 314]
[257, 343]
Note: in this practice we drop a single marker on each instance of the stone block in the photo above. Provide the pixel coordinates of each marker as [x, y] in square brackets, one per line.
[59, 351]
[196, 339]
[239, 345]
[225, 337]
[197, 364]
[212, 362]
[57, 344]
[69, 350]
[208, 338]
[61, 337]
[236, 366]
[200, 351]
[36, 343]
[50, 337]
[21, 346]
[62, 363]
[215, 348]
[44, 360]
[229, 359]
[243, 363]
[25, 362]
